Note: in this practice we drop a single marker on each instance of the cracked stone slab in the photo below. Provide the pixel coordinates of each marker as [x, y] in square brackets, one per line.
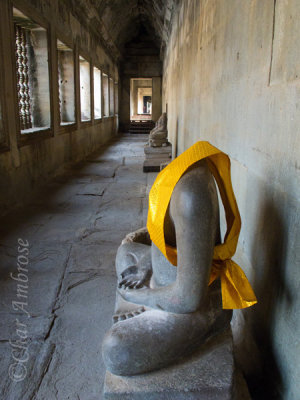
[72, 272]
[130, 173]
[40, 356]
[128, 190]
[207, 375]
[68, 228]
[103, 170]
[123, 148]
[92, 189]
[21, 224]
[145, 210]
[106, 161]
[56, 193]
[151, 176]
[85, 257]
[134, 160]
[79, 207]
[124, 213]
[95, 236]
[77, 369]
[37, 327]
[45, 272]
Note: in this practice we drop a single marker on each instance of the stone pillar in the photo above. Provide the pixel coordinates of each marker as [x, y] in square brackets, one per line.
[124, 113]
[156, 98]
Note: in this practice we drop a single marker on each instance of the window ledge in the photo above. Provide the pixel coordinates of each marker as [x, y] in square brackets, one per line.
[97, 120]
[85, 123]
[63, 124]
[34, 130]
[67, 127]
[33, 135]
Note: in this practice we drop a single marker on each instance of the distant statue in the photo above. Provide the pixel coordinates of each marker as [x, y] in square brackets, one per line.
[159, 134]
[164, 312]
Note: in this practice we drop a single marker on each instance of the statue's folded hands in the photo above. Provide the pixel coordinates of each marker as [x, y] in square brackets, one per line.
[135, 277]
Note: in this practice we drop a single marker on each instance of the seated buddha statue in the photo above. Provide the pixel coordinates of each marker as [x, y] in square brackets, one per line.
[175, 276]
[159, 134]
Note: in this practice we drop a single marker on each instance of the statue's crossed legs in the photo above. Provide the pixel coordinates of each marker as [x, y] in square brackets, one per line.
[143, 339]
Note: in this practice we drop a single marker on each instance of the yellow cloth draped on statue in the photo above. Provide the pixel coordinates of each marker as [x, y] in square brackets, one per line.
[236, 290]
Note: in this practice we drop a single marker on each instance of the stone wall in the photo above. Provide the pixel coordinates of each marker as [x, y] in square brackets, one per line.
[24, 161]
[232, 77]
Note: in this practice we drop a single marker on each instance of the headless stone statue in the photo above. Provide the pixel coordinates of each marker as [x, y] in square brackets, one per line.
[159, 134]
[162, 312]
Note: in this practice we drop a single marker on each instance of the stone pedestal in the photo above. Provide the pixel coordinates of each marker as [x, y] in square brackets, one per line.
[154, 156]
[208, 375]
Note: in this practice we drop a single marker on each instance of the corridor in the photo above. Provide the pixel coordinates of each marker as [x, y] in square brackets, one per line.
[73, 229]
[83, 86]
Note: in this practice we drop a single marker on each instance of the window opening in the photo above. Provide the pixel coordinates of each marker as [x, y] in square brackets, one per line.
[140, 99]
[105, 96]
[66, 83]
[85, 89]
[32, 70]
[116, 98]
[111, 97]
[97, 93]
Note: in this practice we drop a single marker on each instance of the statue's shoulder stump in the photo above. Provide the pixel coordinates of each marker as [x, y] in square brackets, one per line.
[208, 374]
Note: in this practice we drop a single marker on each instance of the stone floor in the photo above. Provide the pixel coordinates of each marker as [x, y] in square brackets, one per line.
[51, 331]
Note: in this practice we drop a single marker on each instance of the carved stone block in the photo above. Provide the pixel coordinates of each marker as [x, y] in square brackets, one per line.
[208, 374]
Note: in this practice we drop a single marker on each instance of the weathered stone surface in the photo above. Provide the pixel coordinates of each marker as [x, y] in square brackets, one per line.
[245, 101]
[155, 156]
[153, 151]
[208, 375]
[106, 169]
[125, 213]
[40, 357]
[37, 326]
[129, 190]
[84, 315]
[97, 235]
[92, 189]
[46, 265]
[71, 273]
[153, 164]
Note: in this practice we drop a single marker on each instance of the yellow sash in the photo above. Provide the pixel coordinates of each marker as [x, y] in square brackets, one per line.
[236, 290]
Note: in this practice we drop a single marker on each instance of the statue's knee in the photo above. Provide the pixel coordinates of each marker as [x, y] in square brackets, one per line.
[116, 354]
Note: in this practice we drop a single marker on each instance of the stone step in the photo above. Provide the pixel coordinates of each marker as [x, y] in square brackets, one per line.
[139, 132]
[141, 126]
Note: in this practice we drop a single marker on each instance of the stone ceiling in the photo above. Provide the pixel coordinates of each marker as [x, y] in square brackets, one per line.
[119, 21]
